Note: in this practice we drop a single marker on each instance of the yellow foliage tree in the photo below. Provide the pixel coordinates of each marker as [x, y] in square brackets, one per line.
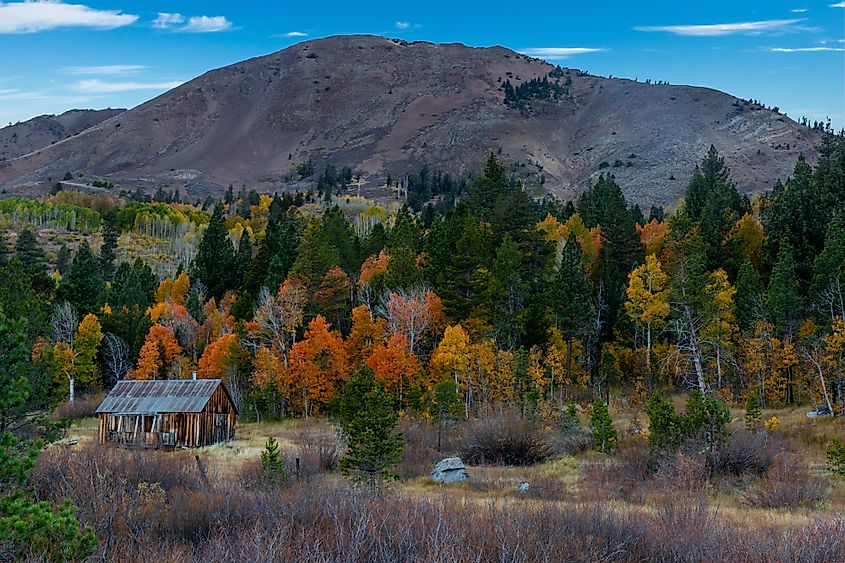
[451, 359]
[721, 327]
[648, 299]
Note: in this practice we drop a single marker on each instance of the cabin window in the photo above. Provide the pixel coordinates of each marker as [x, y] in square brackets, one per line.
[219, 419]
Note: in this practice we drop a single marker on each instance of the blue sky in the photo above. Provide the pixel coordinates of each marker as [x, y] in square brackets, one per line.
[59, 55]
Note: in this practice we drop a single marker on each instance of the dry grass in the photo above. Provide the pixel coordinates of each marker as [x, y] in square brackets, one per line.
[684, 512]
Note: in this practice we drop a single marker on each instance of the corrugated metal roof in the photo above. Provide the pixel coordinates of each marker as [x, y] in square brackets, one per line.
[159, 396]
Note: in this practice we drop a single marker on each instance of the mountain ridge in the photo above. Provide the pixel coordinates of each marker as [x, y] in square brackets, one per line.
[386, 107]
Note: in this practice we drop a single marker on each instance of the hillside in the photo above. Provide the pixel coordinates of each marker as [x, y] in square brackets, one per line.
[36, 133]
[383, 106]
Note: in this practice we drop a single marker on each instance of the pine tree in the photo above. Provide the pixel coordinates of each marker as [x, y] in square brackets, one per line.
[83, 284]
[570, 297]
[836, 457]
[621, 250]
[827, 289]
[29, 251]
[31, 255]
[797, 215]
[316, 255]
[664, 426]
[368, 421]
[110, 236]
[602, 430]
[215, 260]
[753, 413]
[62, 259]
[272, 463]
[570, 419]
[783, 300]
[243, 257]
[705, 418]
[749, 297]
[488, 188]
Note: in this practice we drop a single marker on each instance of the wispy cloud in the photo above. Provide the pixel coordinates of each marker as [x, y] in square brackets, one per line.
[558, 53]
[717, 29]
[104, 69]
[798, 10]
[839, 5]
[403, 25]
[166, 20]
[31, 17]
[292, 34]
[194, 24]
[806, 49]
[206, 24]
[96, 86]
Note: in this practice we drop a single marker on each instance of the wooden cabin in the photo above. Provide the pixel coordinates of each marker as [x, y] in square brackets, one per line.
[167, 413]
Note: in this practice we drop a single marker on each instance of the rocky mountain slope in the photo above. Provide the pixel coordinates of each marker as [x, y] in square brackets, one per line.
[383, 106]
[26, 136]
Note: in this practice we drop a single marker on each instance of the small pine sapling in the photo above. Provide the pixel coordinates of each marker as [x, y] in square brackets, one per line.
[272, 463]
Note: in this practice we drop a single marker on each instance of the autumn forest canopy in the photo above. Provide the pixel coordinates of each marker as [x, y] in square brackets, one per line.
[518, 301]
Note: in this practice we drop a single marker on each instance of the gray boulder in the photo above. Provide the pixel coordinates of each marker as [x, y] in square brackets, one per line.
[449, 470]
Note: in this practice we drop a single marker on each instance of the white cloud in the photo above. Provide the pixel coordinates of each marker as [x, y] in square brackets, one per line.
[104, 69]
[839, 5]
[798, 10]
[292, 34]
[31, 17]
[805, 49]
[403, 25]
[558, 53]
[96, 86]
[193, 24]
[166, 20]
[716, 29]
[206, 24]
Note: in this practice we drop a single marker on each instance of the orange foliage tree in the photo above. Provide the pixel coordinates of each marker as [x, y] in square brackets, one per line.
[218, 357]
[366, 332]
[316, 368]
[653, 236]
[158, 355]
[394, 365]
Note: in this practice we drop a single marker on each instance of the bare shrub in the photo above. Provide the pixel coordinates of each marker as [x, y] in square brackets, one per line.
[745, 452]
[504, 440]
[79, 408]
[623, 476]
[420, 452]
[547, 488]
[571, 443]
[160, 509]
[323, 445]
[787, 484]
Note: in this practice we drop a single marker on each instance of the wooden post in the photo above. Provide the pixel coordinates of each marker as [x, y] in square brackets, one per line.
[297, 469]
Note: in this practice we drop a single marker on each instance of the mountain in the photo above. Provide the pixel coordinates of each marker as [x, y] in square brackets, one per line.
[36, 133]
[384, 106]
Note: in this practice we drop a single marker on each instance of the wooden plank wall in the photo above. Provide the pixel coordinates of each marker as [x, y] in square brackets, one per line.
[215, 424]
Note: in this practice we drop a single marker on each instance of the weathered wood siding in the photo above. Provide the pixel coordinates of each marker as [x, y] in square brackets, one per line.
[215, 424]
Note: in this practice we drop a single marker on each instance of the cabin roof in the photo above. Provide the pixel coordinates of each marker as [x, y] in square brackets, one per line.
[160, 396]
